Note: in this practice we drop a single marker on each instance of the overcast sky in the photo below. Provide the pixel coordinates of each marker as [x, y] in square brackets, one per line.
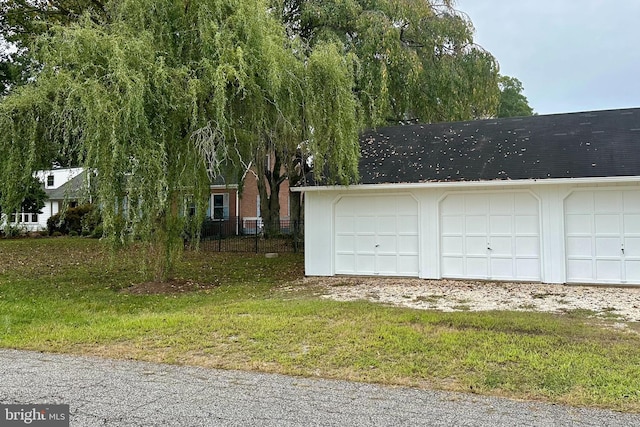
[570, 55]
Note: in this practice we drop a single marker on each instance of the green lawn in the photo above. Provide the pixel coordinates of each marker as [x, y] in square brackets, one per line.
[71, 295]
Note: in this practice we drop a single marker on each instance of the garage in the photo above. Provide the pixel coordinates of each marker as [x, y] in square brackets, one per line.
[490, 236]
[377, 235]
[602, 236]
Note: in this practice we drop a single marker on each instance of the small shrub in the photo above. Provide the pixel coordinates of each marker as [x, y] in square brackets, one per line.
[13, 231]
[97, 232]
[56, 234]
[80, 219]
[73, 233]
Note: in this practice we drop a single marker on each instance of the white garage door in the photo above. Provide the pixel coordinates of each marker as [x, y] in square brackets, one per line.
[490, 236]
[602, 236]
[377, 235]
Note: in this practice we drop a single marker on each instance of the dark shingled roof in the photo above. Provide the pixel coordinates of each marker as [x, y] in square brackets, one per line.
[71, 189]
[575, 145]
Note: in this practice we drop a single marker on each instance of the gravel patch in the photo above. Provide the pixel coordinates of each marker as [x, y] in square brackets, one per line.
[456, 295]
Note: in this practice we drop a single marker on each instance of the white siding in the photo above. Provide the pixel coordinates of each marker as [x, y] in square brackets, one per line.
[552, 259]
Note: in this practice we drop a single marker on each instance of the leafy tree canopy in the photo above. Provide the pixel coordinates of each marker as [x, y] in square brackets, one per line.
[160, 95]
[513, 103]
[30, 198]
[416, 59]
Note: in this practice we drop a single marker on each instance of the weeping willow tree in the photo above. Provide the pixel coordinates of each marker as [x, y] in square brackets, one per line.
[158, 96]
[416, 60]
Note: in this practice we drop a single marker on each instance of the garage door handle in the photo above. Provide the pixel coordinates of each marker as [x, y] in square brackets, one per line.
[489, 248]
[377, 246]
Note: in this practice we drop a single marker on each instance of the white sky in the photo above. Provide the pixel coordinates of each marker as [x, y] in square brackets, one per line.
[570, 55]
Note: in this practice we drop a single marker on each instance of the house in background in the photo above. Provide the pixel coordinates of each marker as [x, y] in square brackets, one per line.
[239, 213]
[59, 185]
[552, 199]
[236, 213]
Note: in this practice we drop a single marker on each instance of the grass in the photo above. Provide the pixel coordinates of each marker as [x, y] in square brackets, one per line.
[72, 296]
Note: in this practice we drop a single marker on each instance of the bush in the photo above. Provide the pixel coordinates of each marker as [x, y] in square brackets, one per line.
[97, 232]
[13, 231]
[80, 219]
[73, 233]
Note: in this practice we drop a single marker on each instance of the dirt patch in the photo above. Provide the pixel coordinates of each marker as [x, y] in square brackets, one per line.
[612, 303]
[176, 286]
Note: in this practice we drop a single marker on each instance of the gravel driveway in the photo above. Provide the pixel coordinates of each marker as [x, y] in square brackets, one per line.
[454, 295]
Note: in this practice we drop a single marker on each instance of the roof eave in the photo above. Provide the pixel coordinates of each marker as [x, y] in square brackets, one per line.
[450, 184]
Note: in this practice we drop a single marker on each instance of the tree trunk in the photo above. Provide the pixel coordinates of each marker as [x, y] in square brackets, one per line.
[269, 190]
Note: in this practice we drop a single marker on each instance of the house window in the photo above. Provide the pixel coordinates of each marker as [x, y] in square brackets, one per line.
[50, 181]
[220, 204]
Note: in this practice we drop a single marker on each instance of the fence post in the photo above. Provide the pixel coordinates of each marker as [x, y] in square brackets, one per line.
[256, 234]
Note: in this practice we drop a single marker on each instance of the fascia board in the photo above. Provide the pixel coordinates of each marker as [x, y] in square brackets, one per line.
[467, 184]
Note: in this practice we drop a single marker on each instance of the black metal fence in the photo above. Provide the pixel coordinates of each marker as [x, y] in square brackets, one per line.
[252, 235]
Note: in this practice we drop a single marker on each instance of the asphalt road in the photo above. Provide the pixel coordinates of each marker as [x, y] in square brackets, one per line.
[127, 393]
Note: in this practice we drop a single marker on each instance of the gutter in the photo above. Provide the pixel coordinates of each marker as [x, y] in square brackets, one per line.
[494, 183]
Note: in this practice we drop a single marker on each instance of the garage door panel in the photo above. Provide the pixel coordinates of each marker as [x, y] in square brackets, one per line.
[408, 263]
[453, 266]
[477, 268]
[526, 224]
[579, 203]
[345, 224]
[408, 245]
[631, 201]
[452, 245]
[454, 205]
[475, 203]
[501, 246]
[407, 224]
[579, 247]
[365, 264]
[387, 244]
[345, 263]
[527, 246]
[387, 264]
[608, 270]
[581, 270]
[502, 268]
[528, 268]
[607, 224]
[501, 204]
[476, 224]
[365, 224]
[632, 224]
[525, 204]
[365, 243]
[500, 224]
[607, 201]
[579, 224]
[476, 245]
[386, 224]
[632, 246]
[452, 224]
[345, 243]
[632, 271]
[608, 246]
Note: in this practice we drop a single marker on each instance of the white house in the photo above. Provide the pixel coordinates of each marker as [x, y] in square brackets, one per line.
[59, 184]
[552, 199]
